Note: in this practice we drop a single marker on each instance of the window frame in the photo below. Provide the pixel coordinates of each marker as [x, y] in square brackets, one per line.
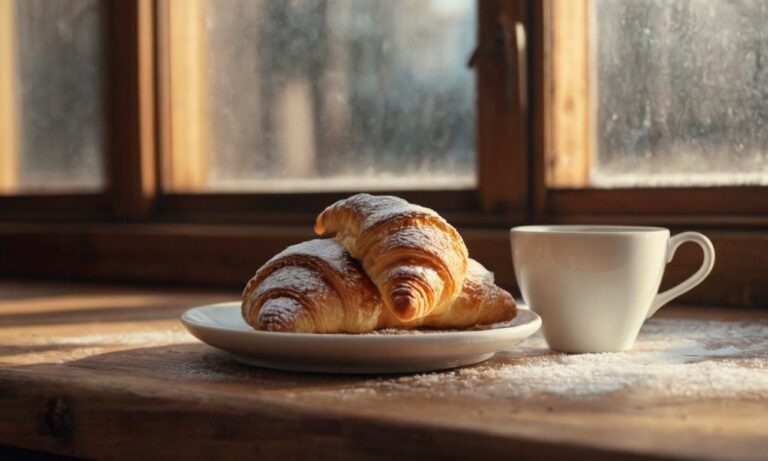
[129, 174]
[501, 195]
[729, 206]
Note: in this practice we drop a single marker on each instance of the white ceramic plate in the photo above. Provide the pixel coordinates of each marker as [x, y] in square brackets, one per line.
[221, 326]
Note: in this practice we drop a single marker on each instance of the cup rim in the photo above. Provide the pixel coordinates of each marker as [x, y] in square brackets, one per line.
[586, 229]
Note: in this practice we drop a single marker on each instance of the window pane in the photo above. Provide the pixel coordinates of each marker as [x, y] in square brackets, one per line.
[55, 105]
[678, 93]
[329, 94]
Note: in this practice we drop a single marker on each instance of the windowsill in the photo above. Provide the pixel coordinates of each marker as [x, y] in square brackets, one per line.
[227, 255]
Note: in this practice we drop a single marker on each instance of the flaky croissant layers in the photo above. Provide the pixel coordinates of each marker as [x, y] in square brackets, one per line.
[415, 258]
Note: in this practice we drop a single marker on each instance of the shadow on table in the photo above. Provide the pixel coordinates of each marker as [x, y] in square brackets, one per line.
[187, 364]
[75, 316]
[21, 454]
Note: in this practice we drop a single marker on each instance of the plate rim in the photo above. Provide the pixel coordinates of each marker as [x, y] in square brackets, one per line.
[533, 322]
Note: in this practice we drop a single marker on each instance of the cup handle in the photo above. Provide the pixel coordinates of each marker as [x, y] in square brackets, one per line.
[706, 267]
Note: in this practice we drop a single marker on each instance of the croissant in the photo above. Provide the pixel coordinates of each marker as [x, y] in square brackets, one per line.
[416, 259]
[317, 287]
[481, 301]
[314, 286]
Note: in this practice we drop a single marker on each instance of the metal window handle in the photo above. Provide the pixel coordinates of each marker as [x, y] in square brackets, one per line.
[522, 64]
[513, 39]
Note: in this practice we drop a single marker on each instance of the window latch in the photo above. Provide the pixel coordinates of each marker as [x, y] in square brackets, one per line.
[510, 38]
[513, 40]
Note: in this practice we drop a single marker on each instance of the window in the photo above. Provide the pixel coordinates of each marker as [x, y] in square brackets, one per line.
[52, 96]
[320, 95]
[195, 120]
[659, 93]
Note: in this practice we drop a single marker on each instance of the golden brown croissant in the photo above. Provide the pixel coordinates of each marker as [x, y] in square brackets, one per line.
[416, 259]
[314, 286]
[481, 302]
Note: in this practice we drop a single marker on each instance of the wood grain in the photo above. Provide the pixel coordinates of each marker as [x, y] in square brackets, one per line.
[183, 86]
[568, 162]
[106, 372]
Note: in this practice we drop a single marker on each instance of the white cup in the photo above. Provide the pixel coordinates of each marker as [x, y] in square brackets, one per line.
[594, 286]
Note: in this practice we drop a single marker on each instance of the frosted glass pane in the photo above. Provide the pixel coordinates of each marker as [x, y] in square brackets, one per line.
[60, 86]
[681, 92]
[335, 94]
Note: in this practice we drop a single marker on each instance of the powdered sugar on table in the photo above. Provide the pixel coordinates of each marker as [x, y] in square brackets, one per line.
[672, 358]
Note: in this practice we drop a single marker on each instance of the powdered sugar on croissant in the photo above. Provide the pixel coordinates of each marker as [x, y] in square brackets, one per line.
[416, 259]
[316, 287]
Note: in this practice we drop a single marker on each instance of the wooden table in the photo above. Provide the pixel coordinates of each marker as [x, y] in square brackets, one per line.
[108, 372]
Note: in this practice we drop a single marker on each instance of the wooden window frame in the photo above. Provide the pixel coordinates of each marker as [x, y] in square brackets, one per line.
[501, 196]
[129, 168]
[136, 231]
[72, 206]
[141, 128]
[731, 206]
[8, 98]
